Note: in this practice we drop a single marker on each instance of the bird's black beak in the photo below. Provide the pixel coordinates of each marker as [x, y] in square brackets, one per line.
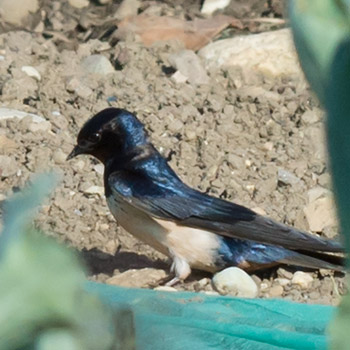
[76, 151]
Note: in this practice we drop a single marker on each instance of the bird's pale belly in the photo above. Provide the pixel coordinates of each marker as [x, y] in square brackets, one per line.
[197, 247]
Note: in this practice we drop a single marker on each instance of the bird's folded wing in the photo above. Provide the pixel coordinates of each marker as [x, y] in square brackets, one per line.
[168, 198]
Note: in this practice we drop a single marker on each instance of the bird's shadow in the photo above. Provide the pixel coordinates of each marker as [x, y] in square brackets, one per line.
[98, 261]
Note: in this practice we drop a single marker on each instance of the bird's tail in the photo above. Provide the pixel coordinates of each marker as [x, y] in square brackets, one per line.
[254, 256]
[315, 260]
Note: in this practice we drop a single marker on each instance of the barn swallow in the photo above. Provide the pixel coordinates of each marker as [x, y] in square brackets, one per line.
[194, 229]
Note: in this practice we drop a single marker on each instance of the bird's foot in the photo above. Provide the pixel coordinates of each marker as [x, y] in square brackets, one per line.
[182, 270]
[173, 281]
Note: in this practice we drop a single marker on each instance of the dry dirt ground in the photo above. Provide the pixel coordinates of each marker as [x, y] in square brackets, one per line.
[229, 138]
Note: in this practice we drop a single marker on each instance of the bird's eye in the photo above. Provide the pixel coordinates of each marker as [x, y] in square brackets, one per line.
[94, 138]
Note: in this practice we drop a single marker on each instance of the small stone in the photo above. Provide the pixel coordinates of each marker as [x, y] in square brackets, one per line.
[43, 126]
[83, 91]
[95, 190]
[127, 8]
[284, 273]
[268, 146]
[248, 163]
[165, 289]
[78, 4]
[329, 232]
[235, 161]
[72, 84]
[210, 6]
[276, 291]
[79, 165]
[97, 64]
[175, 126]
[104, 2]
[283, 281]
[264, 286]
[201, 284]
[286, 177]
[78, 212]
[236, 282]
[317, 192]
[320, 214]
[179, 78]
[110, 247]
[8, 166]
[324, 180]
[7, 144]
[302, 279]
[31, 72]
[138, 278]
[99, 168]
[2, 197]
[310, 117]
[104, 227]
[75, 85]
[250, 188]
[212, 171]
[190, 65]
[59, 156]
[190, 134]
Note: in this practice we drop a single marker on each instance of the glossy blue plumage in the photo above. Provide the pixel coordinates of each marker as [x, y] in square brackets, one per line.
[236, 252]
[139, 176]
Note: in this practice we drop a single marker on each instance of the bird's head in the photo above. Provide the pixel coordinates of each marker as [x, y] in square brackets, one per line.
[111, 132]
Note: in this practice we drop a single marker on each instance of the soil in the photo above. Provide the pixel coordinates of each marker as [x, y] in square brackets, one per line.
[228, 138]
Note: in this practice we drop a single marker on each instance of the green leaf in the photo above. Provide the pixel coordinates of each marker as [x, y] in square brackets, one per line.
[318, 28]
[43, 304]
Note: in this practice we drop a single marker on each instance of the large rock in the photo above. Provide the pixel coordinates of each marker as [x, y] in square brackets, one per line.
[236, 282]
[269, 53]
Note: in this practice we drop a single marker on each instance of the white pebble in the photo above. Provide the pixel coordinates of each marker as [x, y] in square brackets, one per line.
[236, 282]
[178, 77]
[31, 72]
[302, 279]
[210, 6]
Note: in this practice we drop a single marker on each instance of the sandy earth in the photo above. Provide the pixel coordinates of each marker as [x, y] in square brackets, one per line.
[229, 138]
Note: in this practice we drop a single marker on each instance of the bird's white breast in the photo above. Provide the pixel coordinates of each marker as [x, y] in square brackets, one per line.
[198, 247]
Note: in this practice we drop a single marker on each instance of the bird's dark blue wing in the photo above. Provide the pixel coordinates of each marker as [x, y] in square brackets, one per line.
[153, 187]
